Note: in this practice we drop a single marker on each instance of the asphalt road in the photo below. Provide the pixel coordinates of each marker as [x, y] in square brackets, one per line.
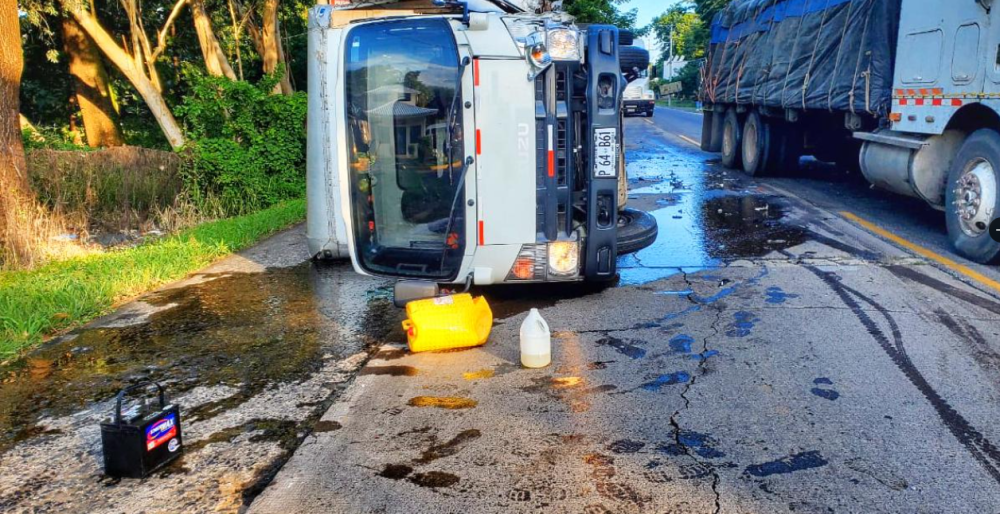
[834, 190]
[766, 354]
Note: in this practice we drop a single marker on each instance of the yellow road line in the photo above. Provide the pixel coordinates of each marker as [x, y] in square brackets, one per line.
[664, 132]
[689, 140]
[923, 252]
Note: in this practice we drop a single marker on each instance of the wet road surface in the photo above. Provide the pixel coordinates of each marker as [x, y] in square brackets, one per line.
[765, 355]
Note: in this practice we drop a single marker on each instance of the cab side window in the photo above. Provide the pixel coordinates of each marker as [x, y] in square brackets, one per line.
[965, 61]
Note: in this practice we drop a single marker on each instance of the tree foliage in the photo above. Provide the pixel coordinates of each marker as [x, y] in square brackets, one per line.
[601, 11]
[247, 145]
[690, 33]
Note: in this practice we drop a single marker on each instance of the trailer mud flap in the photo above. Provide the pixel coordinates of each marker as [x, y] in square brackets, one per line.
[605, 88]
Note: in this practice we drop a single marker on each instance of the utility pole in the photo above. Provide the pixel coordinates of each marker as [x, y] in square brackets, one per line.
[670, 97]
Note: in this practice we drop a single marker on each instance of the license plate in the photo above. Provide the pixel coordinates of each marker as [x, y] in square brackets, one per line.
[606, 153]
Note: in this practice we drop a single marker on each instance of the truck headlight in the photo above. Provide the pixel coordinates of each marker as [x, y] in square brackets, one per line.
[536, 51]
[563, 44]
[540, 262]
[564, 258]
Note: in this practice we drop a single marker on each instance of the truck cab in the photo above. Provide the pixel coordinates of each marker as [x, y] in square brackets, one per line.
[473, 147]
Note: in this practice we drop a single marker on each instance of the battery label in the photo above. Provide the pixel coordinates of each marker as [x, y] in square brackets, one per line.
[161, 431]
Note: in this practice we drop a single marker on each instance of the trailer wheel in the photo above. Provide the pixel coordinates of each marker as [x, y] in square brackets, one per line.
[732, 140]
[757, 149]
[973, 197]
[637, 230]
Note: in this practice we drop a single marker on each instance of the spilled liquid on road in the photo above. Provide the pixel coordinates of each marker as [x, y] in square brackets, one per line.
[249, 331]
[707, 216]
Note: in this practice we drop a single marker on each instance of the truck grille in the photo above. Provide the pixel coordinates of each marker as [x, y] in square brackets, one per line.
[555, 111]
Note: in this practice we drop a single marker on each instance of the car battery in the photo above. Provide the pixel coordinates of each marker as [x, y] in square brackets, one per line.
[142, 440]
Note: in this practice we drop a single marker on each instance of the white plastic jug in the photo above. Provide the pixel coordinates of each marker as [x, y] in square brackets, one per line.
[536, 341]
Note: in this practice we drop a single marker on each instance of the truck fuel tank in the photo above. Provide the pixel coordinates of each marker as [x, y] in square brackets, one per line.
[910, 164]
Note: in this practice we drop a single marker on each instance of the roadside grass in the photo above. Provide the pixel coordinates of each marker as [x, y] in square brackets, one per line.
[66, 293]
[681, 105]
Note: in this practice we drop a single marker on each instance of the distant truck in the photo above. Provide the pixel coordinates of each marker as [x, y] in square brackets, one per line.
[639, 99]
[907, 91]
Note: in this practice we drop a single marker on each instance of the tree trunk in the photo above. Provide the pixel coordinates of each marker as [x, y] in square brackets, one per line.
[273, 57]
[133, 71]
[215, 59]
[20, 216]
[93, 94]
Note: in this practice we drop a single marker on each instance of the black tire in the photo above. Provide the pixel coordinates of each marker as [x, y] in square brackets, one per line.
[632, 58]
[732, 140]
[982, 146]
[637, 230]
[625, 37]
[756, 152]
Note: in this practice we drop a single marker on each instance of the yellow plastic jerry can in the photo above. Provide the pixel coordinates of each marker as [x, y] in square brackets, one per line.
[447, 322]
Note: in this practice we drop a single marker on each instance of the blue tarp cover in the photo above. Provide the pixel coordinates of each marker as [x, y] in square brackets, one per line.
[836, 55]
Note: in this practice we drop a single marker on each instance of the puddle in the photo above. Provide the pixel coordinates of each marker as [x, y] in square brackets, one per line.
[392, 371]
[479, 375]
[248, 331]
[446, 402]
[706, 215]
[705, 232]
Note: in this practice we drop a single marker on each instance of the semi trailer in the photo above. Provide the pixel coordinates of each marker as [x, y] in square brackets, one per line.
[473, 143]
[906, 92]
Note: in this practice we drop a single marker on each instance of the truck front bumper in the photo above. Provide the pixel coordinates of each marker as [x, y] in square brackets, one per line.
[633, 107]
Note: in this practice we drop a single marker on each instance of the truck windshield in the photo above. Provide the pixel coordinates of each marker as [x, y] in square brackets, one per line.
[402, 78]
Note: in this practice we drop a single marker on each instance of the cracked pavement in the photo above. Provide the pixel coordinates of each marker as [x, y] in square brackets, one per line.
[764, 355]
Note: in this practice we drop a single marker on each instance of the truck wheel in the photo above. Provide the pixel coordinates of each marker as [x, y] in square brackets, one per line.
[637, 230]
[757, 151]
[625, 37]
[973, 197]
[732, 140]
[633, 57]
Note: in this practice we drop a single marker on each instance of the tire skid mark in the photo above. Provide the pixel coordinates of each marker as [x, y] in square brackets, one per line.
[982, 449]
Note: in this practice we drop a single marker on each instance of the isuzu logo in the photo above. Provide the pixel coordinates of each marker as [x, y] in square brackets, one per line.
[523, 140]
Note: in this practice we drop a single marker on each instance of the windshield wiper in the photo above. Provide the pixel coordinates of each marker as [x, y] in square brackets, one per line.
[459, 190]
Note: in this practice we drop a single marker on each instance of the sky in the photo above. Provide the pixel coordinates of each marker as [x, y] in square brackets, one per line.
[648, 9]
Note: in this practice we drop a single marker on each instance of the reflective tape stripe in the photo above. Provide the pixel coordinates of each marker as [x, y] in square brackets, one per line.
[482, 233]
[552, 154]
[479, 142]
[475, 72]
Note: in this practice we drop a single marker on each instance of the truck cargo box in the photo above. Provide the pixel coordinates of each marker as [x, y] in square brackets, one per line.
[835, 55]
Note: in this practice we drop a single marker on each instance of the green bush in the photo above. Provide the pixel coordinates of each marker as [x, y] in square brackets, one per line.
[247, 146]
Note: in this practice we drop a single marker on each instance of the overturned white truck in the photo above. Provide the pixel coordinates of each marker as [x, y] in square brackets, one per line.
[906, 90]
[471, 143]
